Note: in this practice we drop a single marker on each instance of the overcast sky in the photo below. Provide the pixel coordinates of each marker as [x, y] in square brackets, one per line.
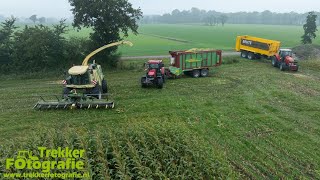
[61, 8]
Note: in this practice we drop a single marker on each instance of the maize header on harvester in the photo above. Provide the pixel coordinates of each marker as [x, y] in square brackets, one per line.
[84, 86]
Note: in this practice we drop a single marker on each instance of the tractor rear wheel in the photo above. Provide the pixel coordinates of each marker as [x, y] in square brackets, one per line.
[282, 67]
[195, 73]
[204, 72]
[164, 78]
[274, 61]
[104, 86]
[244, 54]
[250, 56]
[160, 83]
[143, 85]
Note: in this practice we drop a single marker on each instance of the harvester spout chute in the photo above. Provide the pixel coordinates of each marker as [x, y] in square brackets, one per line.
[86, 60]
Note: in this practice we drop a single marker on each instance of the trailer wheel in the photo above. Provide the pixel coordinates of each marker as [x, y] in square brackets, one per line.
[244, 54]
[274, 61]
[195, 73]
[204, 72]
[250, 56]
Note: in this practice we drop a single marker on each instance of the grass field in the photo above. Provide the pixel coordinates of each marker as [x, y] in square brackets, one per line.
[248, 120]
[159, 39]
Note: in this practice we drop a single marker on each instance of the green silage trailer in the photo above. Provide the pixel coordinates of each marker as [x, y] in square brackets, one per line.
[196, 62]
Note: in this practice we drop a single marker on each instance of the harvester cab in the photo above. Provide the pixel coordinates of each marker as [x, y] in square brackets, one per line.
[155, 74]
[285, 61]
[88, 79]
[84, 86]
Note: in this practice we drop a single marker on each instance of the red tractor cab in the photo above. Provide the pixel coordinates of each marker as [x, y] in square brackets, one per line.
[155, 74]
[285, 61]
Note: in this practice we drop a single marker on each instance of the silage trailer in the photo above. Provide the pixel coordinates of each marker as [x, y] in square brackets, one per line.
[255, 47]
[194, 62]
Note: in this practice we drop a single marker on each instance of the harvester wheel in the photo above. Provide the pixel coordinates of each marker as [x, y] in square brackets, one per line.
[104, 86]
[66, 92]
[244, 54]
[160, 83]
[250, 56]
[274, 61]
[204, 72]
[195, 73]
[97, 91]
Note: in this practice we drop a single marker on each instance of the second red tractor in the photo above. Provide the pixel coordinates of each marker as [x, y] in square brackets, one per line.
[285, 61]
[155, 74]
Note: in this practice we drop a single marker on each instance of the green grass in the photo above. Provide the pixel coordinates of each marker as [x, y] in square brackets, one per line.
[247, 120]
[158, 39]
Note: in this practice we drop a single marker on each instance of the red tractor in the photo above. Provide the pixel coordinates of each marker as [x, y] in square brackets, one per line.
[155, 74]
[285, 61]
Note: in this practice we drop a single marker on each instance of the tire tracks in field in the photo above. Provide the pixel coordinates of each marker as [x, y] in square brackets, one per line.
[167, 38]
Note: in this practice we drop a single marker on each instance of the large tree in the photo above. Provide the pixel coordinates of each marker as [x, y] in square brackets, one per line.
[110, 20]
[310, 28]
[42, 20]
[33, 18]
[7, 29]
[223, 19]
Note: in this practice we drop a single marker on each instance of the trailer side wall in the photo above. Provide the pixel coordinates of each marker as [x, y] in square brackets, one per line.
[197, 60]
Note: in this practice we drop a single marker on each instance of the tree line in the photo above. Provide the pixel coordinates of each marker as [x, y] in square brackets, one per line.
[43, 48]
[212, 17]
[37, 48]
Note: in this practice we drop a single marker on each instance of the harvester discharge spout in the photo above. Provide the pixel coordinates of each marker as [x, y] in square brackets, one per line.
[86, 60]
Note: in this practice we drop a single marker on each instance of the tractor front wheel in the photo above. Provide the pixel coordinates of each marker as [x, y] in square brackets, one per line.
[195, 73]
[160, 83]
[204, 72]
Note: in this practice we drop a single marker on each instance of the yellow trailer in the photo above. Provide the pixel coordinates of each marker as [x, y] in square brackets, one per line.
[254, 47]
